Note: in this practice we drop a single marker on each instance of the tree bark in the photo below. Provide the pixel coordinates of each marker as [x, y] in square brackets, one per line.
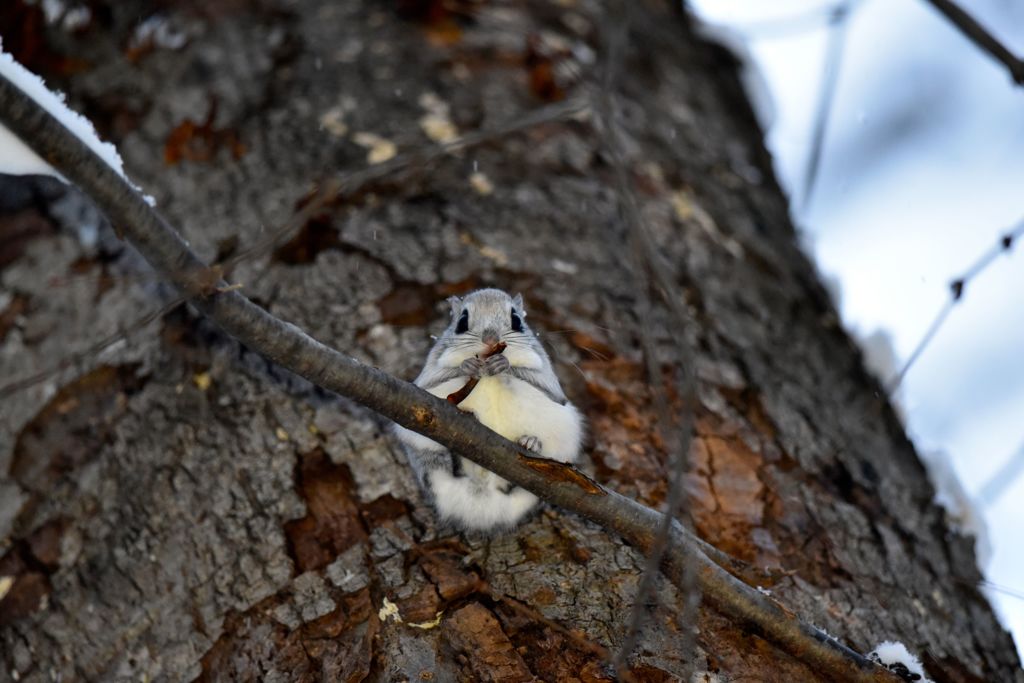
[176, 508]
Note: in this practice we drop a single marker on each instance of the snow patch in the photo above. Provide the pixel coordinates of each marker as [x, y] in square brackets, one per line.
[895, 656]
[63, 14]
[17, 158]
[961, 510]
[158, 32]
[879, 354]
[76, 18]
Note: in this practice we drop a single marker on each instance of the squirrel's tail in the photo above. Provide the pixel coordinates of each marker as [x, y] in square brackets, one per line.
[481, 478]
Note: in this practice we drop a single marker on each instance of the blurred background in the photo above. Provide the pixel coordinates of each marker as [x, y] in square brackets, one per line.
[920, 173]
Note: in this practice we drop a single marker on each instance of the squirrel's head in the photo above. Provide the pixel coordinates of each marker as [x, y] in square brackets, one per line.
[483, 318]
[488, 316]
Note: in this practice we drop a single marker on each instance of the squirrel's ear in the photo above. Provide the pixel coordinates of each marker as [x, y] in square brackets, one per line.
[517, 303]
[456, 304]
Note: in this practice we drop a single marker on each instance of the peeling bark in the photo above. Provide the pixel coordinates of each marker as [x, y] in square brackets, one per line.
[178, 509]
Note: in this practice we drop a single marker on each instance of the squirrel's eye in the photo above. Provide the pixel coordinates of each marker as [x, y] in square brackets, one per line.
[517, 322]
[463, 325]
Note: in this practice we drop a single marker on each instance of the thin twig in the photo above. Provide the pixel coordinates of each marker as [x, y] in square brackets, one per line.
[285, 344]
[956, 289]
[99, 347]
[1003, 479]
[980, 36]
[838, 23]
[1005, 590]
[896, 380]
[457, 397]
[103, 280]
[785, 26]
[677, 441]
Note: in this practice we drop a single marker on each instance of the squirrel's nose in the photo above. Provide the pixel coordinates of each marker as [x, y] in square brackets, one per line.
[489, 337]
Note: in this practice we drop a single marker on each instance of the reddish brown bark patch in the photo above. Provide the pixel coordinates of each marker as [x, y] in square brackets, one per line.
[408, 304]
[10, 315]
[553, 657]
[25, 37]
[550, 545]
[557, 653]
[26, 584]
[70, 430]
[440, 19]
[383, 509]
[333, 624]
[444, 567]
[541, 66]
[629, 456]
[25, 570]
[414, 304]
[591, 346]
[25, 596]
[421, 607]
[728, 498]
[332, 523]
[44, 544]
[193, 141]
[643, 673]
[735, 480]
[19, 229]
[317, 235]
[483, 649]
[731, 649]
[335, 647]
[948, 670]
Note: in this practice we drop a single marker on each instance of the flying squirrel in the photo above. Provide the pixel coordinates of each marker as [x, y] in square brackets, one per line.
[517, 395]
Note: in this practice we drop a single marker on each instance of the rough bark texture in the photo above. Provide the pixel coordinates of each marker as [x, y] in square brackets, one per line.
[176, 509]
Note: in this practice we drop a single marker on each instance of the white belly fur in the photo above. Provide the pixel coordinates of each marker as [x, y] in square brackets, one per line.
[514, 408]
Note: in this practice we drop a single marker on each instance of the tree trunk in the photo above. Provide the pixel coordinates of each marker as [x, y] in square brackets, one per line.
[175, 508]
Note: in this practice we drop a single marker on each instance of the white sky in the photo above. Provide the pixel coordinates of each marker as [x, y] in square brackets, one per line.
[921, 174]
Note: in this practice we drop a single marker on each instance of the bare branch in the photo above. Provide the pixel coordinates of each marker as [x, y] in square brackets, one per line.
[1003, 479]
[956, 289]
[1005, 590]
[677, 441]
[980, 36]
[788, 25]
[896, 380]
[838, 23]
[410, 406]
[7, 390]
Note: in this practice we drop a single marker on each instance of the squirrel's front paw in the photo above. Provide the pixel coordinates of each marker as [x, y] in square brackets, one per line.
[530, 443]
[496, 364]
[472, 367]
